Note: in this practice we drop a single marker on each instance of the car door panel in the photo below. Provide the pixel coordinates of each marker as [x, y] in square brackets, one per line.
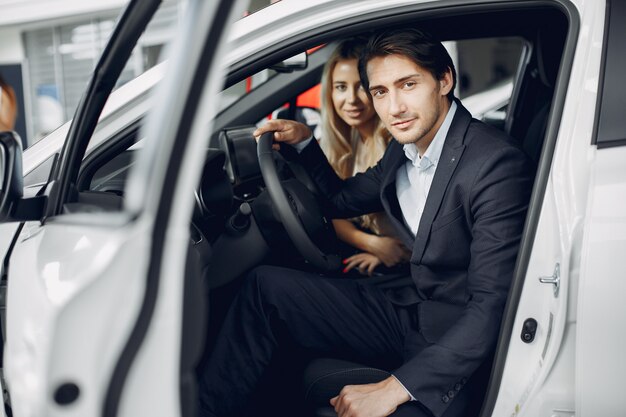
[98, 311]
[72, 307]
[538, 377]
[600, 339]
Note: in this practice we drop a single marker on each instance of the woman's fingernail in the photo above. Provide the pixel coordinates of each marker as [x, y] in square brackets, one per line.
[345, 270]
[345, 261]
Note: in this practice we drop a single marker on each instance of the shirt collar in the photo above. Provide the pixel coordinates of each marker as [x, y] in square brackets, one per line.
[433, 152]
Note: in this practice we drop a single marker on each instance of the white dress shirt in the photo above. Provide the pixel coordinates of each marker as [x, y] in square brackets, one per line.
[414, 178]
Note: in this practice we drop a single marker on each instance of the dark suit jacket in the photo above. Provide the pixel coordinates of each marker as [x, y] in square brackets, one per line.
[464, 252]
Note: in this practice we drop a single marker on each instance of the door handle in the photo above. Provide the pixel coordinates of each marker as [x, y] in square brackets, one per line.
[555, 279]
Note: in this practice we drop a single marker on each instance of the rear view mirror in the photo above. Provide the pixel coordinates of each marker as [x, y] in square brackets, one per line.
[296, 62]
[11, 178]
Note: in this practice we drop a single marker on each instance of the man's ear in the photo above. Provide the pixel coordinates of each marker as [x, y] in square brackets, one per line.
[445, 83]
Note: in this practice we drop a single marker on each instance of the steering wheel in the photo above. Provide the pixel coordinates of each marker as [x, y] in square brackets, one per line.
[298, 210]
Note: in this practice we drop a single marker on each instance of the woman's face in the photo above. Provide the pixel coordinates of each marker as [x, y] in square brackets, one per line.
[349, 98]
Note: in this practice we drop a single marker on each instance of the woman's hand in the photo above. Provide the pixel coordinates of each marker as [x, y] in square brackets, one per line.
[389, 250]
[364, 262]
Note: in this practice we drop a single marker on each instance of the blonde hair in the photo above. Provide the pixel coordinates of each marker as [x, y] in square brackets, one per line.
[339, 140]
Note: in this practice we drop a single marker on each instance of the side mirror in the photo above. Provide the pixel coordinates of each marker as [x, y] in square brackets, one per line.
[11, 177]
[296, 62]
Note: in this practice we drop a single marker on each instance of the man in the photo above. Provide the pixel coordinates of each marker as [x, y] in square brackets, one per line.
[457, 191]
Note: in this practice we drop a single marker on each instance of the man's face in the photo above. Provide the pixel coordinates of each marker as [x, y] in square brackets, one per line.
[409, 100]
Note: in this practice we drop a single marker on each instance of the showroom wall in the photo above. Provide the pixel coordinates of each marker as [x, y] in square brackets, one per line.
[55, 44]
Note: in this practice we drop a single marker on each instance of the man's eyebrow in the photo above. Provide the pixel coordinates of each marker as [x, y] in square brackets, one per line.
[398, 81]
[408, 77]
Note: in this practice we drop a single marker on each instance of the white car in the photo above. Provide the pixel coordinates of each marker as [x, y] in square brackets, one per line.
[105, 306]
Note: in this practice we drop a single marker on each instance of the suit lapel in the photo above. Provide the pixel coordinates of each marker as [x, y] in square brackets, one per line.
[448, 161]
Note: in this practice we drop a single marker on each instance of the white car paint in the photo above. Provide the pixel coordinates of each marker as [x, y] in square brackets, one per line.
[573, 367]
[72, 318]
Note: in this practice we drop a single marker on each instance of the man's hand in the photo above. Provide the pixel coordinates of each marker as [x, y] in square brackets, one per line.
[364, 262]
[370, 400]
[287, 131]
[389, 250]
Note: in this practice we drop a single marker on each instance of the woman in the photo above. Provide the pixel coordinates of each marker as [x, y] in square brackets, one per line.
[8, 106]
[353, 140]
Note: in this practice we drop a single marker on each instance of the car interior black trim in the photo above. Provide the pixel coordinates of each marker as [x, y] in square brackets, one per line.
[609, 124]
[525, 58]
[163, 213]
[194, 326]
[611, 144]
[605, 47]
[4, 279]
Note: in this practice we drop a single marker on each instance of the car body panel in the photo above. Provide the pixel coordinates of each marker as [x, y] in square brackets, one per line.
[64, 291]
[569, 369]
[59, 302]
[600, 338]
[542, 379]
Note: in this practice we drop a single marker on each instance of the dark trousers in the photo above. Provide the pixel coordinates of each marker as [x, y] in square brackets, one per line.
[276, 306]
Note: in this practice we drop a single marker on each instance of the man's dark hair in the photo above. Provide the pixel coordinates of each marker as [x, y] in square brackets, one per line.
[416, 45]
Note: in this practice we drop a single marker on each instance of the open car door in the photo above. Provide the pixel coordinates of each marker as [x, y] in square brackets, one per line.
[96, 281]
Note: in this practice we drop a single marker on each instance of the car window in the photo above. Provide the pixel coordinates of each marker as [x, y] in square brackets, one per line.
[485, 85]
[111, 177]
[487, 69]
[238, 90]
[243, 87]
